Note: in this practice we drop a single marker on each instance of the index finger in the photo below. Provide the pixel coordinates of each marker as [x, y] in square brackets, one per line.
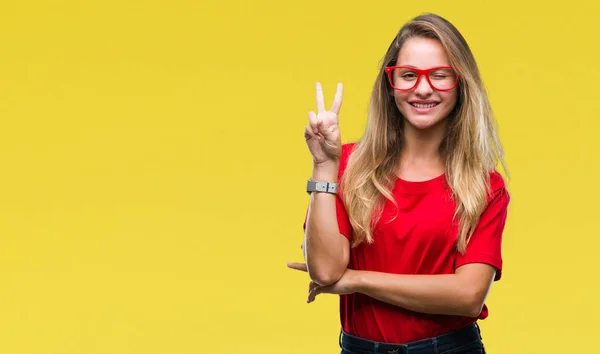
[320, 99]
[337, 100]
[298, 266]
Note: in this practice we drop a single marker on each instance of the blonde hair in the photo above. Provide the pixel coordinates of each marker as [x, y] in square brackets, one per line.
[471, 148]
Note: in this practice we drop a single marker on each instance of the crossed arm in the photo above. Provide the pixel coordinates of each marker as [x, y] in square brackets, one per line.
[326, 253]
[462, 293]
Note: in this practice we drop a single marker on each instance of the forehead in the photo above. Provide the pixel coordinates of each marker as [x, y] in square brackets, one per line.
[422, 53]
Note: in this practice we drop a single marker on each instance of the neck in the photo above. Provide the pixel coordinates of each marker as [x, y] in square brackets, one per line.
[423, 144]
[421, 156]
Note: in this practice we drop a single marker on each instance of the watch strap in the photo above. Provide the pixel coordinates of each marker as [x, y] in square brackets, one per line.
[326, 187]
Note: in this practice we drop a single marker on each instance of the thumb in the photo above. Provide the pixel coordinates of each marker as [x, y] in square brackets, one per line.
[330, 132]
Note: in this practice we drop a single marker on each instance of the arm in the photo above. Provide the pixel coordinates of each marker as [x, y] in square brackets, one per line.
[462, 293]
[326, 251]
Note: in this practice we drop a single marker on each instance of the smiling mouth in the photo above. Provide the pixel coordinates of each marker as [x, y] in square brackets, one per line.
[424, 105]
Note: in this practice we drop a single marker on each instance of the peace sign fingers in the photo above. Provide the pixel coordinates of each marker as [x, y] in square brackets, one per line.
[337, 100]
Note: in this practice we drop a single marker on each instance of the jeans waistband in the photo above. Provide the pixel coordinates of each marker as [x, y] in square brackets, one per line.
[447, 341]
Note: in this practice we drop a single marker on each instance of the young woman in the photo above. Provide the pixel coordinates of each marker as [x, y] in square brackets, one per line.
[406, 224]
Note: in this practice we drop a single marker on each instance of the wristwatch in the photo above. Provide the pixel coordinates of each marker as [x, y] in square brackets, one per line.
[327, 187]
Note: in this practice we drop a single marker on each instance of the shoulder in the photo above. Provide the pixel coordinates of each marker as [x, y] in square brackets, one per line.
[498, 188]
[346, 152]
[496, 181]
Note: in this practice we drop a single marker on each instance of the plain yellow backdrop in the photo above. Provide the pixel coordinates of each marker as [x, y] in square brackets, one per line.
[153, 169]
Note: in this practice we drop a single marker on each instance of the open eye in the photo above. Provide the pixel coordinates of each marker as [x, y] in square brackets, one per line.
[406, 74]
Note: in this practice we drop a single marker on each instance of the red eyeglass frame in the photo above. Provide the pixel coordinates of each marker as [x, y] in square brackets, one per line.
[420, 72]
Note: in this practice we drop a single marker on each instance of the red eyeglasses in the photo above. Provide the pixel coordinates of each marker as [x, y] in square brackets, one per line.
[406, 78]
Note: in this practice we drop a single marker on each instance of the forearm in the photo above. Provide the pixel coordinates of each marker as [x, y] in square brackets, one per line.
[445, 294]
[326, 251]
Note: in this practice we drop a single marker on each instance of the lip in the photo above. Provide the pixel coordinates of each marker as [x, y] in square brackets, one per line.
[423, 110]
[423, 101]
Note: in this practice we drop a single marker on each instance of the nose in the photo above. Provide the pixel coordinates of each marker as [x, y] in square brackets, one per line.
[423, 88]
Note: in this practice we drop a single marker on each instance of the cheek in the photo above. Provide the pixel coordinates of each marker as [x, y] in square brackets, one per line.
[401, 99]
[449, 99]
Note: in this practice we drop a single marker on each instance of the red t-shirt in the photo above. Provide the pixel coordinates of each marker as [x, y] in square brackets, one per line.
[420, 240]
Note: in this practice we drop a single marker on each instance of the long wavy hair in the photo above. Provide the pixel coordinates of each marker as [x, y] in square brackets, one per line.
[471, 148]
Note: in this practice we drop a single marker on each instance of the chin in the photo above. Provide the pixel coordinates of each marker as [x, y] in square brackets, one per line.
[424, 123]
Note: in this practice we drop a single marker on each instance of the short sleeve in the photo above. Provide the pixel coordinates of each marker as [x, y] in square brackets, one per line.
[485, 245]
[343, 220]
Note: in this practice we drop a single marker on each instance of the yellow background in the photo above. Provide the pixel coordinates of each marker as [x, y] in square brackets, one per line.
[153, 169]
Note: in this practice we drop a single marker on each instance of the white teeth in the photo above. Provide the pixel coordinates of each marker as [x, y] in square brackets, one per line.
[428, 105]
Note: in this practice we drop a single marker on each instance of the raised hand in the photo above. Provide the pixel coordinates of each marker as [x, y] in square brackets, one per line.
[322, 134]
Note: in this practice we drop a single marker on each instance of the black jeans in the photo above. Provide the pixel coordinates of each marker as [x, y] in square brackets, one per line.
[462, 341]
